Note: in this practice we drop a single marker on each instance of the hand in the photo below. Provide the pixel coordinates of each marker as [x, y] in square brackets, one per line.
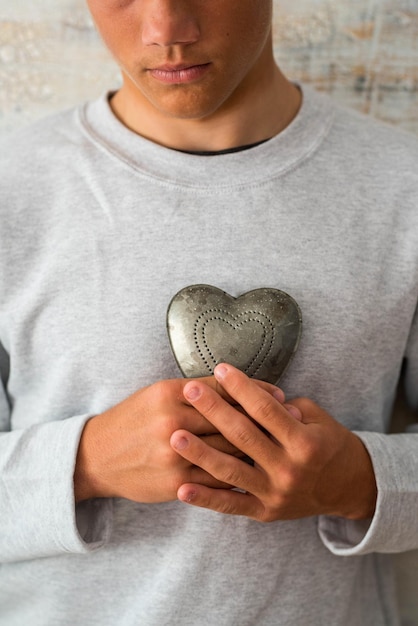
[305, 462]
[125, 451]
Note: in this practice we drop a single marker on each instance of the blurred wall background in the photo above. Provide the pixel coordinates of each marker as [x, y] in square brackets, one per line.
[364, 53]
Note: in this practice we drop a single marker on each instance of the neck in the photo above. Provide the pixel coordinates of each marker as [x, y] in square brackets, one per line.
[259, 109]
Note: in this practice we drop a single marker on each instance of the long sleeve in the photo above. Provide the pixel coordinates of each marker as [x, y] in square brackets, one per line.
[394, 527]
[38, 516]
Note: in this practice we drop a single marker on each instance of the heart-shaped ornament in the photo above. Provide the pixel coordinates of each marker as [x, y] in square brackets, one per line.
[258, 332]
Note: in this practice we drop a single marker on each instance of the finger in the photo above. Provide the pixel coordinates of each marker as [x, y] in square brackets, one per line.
[311, 412]
[223, 501]
[236, 426]
[218, 442]
[258, 404]
[276, 392]
[223, 467]
[190, 419]
[211, 381]
[198, 476]
[273, 390]
[294, 411]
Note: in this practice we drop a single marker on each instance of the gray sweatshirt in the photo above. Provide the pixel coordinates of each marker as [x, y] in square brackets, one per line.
[99, 228]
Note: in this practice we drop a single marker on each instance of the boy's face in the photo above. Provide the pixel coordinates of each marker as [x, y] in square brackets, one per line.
[187, 58]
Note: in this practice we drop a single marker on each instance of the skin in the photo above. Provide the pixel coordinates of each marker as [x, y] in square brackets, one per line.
[242, 97]
[311, 465]
[125, 452]
[188, 440]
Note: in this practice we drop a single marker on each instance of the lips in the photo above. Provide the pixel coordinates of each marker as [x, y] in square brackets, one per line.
[179, 74]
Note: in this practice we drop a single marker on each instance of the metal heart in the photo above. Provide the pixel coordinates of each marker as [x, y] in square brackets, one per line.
[258, 332]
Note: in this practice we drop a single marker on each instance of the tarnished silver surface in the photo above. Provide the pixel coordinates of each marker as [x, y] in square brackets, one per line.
[258, 332]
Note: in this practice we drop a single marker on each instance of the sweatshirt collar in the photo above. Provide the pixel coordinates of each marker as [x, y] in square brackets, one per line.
[237, 169]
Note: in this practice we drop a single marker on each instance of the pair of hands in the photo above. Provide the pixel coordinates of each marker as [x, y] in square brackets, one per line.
[191, 440]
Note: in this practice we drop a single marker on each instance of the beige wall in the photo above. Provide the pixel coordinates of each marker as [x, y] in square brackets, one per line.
[363, 52]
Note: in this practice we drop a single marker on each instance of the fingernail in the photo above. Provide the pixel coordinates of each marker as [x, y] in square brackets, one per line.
[181, 443]
[190, 497]
[186, 496]
[192, 392]
[279, 395]
[294, 412]
[221, 371]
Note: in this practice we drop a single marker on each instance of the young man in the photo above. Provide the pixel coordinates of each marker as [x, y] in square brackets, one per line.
[125, 498]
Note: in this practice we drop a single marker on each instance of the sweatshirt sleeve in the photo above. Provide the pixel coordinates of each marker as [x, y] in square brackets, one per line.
[38, 514]
[394, 527]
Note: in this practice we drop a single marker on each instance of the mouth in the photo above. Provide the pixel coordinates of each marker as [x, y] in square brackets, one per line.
[179, 74]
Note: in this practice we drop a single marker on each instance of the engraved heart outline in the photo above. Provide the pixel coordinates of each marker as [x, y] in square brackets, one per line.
[220, 315]
[202, 321]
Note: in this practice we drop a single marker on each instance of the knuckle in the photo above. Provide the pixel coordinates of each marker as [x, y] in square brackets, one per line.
[272, 512]
[200, 456]
[167, 457]
[231, 475]
[267, 517]
[211, 405]
[227, 508]
[169, 423]
[161, 392]
[313, 450]
[289, 483]
[242, 438]
[264, 407]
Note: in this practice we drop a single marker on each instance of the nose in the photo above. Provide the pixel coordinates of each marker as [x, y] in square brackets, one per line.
[169, 22]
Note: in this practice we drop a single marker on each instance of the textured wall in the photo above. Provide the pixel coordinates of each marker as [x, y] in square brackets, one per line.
[50, 58]
[363, 52]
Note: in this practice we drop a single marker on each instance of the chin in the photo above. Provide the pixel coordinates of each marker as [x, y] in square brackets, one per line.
[189, 108]
[192, 102]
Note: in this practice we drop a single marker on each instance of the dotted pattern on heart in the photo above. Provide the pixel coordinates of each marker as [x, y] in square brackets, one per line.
[258, 332]
[267, 336]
